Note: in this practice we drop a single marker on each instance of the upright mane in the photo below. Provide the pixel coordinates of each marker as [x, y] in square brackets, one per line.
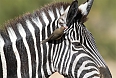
[37, 13]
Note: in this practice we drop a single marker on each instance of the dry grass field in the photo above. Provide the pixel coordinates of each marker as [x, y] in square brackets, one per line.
[111, 65]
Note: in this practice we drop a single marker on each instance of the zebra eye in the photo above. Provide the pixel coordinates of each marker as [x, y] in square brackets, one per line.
[77, 44]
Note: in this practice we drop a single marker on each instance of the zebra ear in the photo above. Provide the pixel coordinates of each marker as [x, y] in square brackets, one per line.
[83, 11]
[85, 7]
[72, 12]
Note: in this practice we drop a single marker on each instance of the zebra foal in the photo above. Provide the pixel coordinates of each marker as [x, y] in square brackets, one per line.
[74, 55]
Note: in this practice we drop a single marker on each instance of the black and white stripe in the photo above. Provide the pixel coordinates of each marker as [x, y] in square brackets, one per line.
[75, 55]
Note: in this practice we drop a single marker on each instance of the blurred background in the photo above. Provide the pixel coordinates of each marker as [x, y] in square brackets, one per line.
[101, 23]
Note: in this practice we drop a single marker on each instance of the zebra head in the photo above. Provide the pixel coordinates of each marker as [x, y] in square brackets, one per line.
[84, 59]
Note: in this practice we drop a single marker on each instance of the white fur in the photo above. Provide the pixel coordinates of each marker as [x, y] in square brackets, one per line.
[32, 30]
[45, 18]
[61, 10]
[51, 15]
[3, 59]
[97, 57]
[23, 34]
[87, 75]
[76, 60]
[13, 38]
[53, 18]
[83, 8]
[58, 15]
[47, 63]
[86, 68]
[37, 22]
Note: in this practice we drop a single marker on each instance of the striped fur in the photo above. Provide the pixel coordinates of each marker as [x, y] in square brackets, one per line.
[22, 56]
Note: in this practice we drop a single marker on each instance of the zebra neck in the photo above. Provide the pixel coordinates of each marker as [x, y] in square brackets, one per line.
[21, 39]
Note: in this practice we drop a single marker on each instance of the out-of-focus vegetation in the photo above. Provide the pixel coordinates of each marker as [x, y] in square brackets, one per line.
[101, 20]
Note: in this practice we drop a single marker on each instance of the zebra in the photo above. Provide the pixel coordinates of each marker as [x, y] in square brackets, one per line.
[75, 55]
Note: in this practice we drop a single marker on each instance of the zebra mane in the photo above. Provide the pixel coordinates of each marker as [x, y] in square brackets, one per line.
[37, 13]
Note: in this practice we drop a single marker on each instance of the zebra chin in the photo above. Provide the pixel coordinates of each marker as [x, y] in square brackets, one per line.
[74, 55]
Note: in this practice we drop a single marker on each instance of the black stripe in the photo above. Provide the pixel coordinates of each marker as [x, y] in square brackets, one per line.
[34, 60]
[92, 54]
[71, 63]
[33, 55]
[67, 52]
[74, 31]
[80, 62]
[91, 64]
[49, 55]
[24, 58]
[55, 14]
[42, 21]
[50, 47]
[10, 58]
[77, 30]
[37, 34]
[56, 48]
[86, 71]
[62, 54]
[48, 16]
[22, 53]
[94, 75]
[81, 35]
[53, 25]
[44, 53]
[58, 53]
[94, 49]
[30, 43]
[59, 11]
[90, 51]
[91, 43]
